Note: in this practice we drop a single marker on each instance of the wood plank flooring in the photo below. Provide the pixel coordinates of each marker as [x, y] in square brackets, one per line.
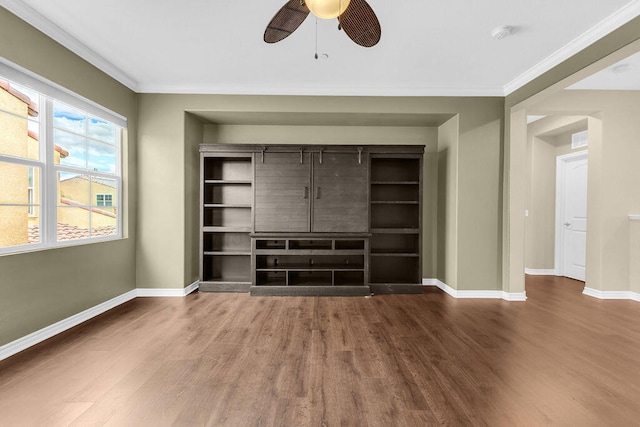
[560, 358]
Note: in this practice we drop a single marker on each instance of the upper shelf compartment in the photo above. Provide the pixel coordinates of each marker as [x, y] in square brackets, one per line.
[236, 170]
[402, 171]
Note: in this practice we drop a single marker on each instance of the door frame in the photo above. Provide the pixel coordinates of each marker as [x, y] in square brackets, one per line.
[561, 164]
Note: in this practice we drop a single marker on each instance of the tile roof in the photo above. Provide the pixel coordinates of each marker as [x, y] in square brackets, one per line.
[71, 232]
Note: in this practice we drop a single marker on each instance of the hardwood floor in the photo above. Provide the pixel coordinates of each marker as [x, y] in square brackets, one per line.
[559, 358]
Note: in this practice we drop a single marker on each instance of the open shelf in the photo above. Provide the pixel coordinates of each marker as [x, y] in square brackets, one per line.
[226, 268]
[226, 242]
[228, 169]
[395, 243]
[395, 216]
[227, 194]
[227, 217]
[301, 262]
[395, 269]
[396, 170]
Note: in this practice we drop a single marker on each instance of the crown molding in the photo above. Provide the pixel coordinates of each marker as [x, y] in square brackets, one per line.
[35, 19]
[595, 33]
[326, 91]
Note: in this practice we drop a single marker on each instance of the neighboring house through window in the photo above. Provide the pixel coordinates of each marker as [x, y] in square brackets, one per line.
[60, 165]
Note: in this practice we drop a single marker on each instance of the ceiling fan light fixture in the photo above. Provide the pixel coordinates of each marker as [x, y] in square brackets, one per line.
[327, 9]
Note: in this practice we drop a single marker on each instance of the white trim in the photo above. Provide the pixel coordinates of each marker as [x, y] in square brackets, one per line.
[508, 296]
[540, 271]
[624, 295]
[37, 337]
[561, 163]
[168, 292]
[634, 217]
[214, 89]
[47, 332]
[35, 19]
[595, 33]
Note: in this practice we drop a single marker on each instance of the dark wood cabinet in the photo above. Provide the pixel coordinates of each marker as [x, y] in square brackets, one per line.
[340, 193]
[311, 220]
[282, 195]
[322, 192]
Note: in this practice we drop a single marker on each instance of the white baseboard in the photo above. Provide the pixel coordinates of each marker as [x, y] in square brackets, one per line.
[540, 272]
[507, 296]
[38, 336]
[168, 292]
[595, 293]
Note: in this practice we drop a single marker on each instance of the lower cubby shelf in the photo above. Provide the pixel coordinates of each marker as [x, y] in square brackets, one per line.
[310, 264]
[392, 268]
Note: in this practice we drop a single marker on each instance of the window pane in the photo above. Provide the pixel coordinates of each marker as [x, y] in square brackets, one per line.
[16, 228]
[73, 223]
[101, 130]
[102, 157]
[68, 118]
[71, 150]
[18, 136]
[73, 189]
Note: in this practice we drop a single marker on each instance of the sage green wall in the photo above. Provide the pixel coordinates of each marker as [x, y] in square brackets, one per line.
[163, 236]
[40, 288]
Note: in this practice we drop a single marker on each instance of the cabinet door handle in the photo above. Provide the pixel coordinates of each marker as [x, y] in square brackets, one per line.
[317, 192]
[306, 192]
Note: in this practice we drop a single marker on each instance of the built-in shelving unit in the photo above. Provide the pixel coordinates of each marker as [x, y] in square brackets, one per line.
[396, 212]
[226, 221]
[310, 220]
[310, 264]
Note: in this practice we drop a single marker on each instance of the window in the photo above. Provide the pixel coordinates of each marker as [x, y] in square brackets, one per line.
[60, 167]
[104, 199]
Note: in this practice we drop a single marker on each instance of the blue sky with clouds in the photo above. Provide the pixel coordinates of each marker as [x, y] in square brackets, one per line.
[96, 151]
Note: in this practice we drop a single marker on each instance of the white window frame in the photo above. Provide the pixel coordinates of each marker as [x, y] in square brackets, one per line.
[30, 196]
[48, 202]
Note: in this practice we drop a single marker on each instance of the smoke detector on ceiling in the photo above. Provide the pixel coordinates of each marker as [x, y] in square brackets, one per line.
[499, 33]
[621, 68]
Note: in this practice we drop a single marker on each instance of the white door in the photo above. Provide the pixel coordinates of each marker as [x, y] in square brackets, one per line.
[574, 218]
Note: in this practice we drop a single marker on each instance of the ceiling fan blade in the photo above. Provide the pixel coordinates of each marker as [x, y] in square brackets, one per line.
[286, 21]
[361, 24]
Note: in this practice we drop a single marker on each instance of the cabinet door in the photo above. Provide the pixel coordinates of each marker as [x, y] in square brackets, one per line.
[282, 192]
[340, 188]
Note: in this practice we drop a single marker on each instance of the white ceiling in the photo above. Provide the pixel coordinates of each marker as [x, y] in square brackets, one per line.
[428, 48]
[623, 75]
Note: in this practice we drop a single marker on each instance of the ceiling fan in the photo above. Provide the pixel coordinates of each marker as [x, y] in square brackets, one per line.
[355, 17]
